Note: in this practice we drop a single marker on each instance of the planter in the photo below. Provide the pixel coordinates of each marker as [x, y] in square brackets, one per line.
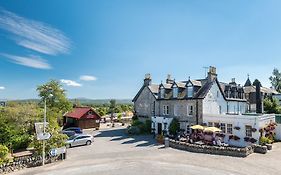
[269, 146]
[236, 138]
[247, 139]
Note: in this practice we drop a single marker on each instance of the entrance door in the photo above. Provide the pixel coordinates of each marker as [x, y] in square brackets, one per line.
[159, 128]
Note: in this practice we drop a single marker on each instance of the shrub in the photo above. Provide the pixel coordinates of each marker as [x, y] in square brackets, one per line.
[174, 127]
[133, 130]
[3, 154]
[265, 140]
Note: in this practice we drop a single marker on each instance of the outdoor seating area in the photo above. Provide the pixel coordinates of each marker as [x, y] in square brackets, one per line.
[203, 136]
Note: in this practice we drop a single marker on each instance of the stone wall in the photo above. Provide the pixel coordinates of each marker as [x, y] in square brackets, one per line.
[26, 162]
[226, 151]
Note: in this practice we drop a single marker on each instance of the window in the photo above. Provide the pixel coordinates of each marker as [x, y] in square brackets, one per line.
[162, 92]
[90, 113]
[190, 110]
[190, 91]
[248, 131]
[216, 125]
[229, 129]
[175, 92]
[223, 127]
[165, 110]
[220, 109]
[218, 94]
[210, 124]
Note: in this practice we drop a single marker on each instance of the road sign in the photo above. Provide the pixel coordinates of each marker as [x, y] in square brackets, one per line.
[57, 151]
[39, 128]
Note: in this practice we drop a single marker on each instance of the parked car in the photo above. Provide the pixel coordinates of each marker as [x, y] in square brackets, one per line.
[68, 133]
[77, 140]
[77, 130]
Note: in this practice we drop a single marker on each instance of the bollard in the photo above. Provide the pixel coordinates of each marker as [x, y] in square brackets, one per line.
[166, 142]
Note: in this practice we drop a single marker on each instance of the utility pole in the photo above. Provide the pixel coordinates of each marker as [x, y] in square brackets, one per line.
[44, 130]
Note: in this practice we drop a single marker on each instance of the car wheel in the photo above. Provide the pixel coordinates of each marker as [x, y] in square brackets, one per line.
[68, 146]
[88, 142]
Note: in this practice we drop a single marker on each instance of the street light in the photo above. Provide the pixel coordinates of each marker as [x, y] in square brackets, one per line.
[44, 127]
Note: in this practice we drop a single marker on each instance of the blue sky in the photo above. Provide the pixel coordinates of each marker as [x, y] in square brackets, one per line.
[102, 49]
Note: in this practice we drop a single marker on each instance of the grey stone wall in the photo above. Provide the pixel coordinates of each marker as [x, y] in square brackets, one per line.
[26, 162]
[144, 104]
[226, 151]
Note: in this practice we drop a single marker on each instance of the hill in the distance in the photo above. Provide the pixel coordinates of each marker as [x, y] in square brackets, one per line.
[84, 101]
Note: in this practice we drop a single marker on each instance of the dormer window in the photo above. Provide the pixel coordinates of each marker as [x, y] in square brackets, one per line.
[189, 91]
[162, 92]
[175, 92]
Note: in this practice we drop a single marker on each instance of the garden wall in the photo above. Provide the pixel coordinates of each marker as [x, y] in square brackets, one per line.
[26, 162]
[226, 151]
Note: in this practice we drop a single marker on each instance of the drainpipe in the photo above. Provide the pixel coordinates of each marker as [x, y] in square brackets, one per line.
[197, 116]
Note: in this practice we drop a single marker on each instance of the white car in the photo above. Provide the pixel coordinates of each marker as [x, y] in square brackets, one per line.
[81, 139]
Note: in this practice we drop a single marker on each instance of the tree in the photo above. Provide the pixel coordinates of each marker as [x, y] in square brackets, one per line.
[174, 126]
[255, 83]
[271, 105]
[276, 80]
[56, 100]
[57, 105]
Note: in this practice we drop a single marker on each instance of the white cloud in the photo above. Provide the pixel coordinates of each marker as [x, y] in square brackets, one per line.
[88, 78]
[30, 61]
[2, 88]
[34, 35]
[70, 83]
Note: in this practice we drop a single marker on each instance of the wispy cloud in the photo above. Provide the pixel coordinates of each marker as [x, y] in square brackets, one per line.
[2, 88]
[70, 83]
[34, 35]
[30, 61]
[88, 78]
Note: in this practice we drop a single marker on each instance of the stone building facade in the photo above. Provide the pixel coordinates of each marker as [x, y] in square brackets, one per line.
[187, 101]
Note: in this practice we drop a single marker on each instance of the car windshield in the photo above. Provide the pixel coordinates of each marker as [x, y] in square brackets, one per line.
[72, 137]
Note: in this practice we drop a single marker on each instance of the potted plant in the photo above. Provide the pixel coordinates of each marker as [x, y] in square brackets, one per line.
[252, 140]
[237, 127]
[236, 138]
[246, 139]
[254, 129]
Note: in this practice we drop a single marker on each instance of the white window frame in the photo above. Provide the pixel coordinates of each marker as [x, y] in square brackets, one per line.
[223, 127]
[210, 124]
[190, 110]
[175, 92]
[189, 91]
[229, 128]
[248, 131]
[166, 110]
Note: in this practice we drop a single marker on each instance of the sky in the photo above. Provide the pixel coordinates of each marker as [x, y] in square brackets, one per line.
[102, 49]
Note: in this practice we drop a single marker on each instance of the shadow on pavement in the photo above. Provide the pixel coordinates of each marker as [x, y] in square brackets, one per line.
[120, 135]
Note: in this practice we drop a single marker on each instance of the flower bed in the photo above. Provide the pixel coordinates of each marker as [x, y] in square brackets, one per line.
[226, 151]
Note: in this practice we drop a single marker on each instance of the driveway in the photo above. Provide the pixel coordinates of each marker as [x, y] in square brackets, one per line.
[113, 152]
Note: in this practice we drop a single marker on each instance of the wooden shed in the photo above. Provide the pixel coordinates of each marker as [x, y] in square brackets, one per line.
[82, 117]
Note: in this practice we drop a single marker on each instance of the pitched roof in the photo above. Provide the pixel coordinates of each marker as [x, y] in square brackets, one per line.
[79, 112]
[196, 82]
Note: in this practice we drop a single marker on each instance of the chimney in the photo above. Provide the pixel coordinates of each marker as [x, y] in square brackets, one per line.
[147, 80]
[212, 74]
[233, 81]
[259, 105]
[169, 79]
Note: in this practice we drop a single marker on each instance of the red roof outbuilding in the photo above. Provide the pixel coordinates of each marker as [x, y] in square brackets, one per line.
[85, 112]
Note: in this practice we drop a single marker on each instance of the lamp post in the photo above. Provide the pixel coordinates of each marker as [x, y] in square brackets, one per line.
[44, 128]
